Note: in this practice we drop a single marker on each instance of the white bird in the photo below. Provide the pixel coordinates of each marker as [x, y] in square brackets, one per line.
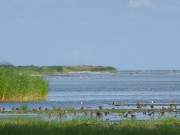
[81, 102]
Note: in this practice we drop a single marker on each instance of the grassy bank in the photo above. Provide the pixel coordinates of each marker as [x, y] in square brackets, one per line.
[20, 86]
[28, 127]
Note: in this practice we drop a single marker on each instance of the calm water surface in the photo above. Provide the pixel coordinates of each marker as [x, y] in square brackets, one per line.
[94, 89]
[125, 86]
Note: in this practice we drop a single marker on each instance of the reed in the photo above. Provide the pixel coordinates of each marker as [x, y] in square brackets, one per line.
[19, 86]
[89, 127]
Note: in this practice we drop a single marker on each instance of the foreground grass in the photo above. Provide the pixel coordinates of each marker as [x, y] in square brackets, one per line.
[18, 86]
[29, 127]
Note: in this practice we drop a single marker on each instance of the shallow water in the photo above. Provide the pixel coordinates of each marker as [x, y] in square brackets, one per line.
[103, 89]
[111, 117]
[94, 89]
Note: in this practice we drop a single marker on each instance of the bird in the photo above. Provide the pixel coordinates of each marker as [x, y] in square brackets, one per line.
[81, 102]
[133, 116]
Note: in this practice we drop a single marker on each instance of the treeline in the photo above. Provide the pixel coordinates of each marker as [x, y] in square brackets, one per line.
[61, 69]
[16, 85]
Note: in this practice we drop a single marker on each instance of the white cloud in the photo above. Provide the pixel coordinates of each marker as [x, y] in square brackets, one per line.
[141, 3]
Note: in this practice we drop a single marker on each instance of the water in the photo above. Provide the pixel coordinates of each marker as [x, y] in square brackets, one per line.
[126, 86]
[94, 89]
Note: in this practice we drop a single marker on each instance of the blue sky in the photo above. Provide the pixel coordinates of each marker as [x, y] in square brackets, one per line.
[127, 34]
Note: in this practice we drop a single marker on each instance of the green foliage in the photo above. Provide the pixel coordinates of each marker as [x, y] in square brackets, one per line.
[16, 85]
[88, 127]
[24, 108]
[89, 68]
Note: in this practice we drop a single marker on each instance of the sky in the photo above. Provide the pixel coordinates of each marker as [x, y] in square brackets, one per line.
[126, 34]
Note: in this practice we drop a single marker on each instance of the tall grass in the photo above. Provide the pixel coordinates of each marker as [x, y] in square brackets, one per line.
[19, 86]
[35, 127]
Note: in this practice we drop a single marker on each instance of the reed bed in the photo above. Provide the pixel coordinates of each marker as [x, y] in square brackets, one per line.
[19, 86]
[89, 127]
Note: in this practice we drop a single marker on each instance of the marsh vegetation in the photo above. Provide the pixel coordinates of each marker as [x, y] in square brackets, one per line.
[20, 86]
[89, 127]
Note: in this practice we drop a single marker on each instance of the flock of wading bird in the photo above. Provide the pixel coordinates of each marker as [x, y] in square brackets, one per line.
[146, 109]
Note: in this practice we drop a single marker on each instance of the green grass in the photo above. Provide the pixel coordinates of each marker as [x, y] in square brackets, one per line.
[20, 86]
[37, 127]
